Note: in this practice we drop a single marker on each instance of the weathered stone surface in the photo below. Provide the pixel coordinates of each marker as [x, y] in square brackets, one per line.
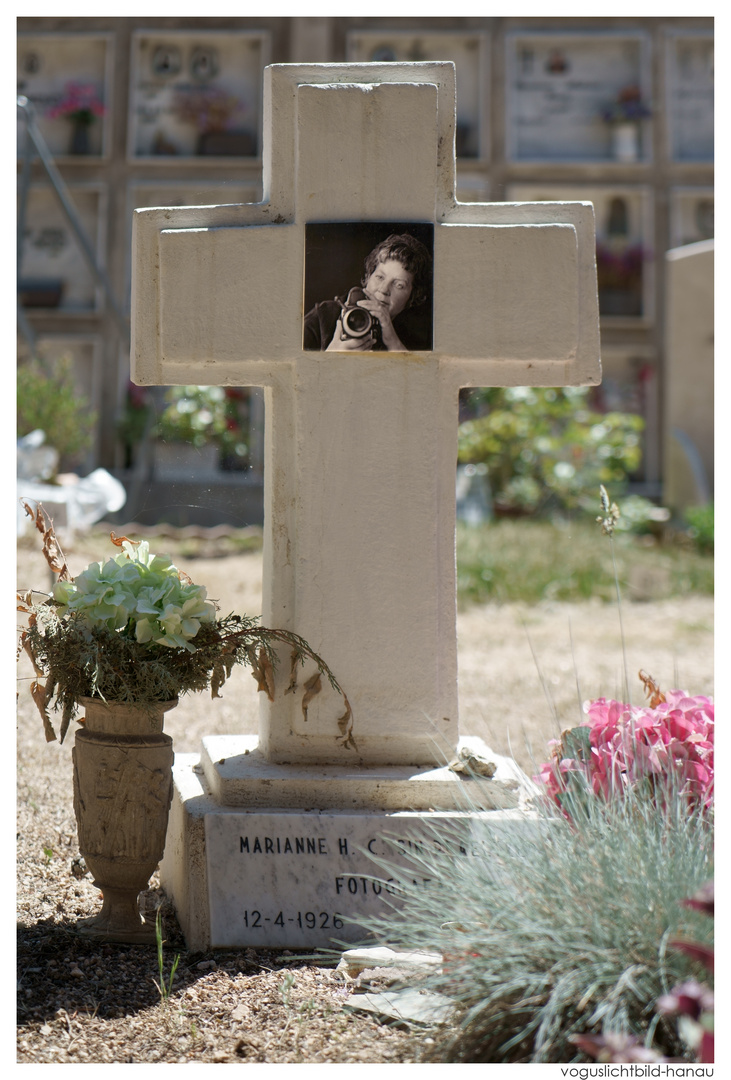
[408, 1005]
[122, 794]
[354, 961]
[292, 877]
[238, 774]
[360, 457]
[359, 484]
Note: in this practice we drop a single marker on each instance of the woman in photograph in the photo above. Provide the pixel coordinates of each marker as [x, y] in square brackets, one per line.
[396, 280]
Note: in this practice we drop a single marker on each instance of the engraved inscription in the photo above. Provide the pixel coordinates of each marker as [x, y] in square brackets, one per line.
[308, 879]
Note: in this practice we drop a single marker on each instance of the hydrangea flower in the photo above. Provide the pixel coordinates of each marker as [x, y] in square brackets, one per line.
[103, 593]
[138, 593]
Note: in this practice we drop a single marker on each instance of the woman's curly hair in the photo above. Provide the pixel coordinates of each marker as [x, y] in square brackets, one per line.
[413, 256]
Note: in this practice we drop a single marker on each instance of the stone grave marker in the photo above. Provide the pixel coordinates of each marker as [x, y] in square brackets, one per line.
[688, 405]
[360, 455]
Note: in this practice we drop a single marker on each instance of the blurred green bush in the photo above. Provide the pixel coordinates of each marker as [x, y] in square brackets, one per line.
[50, 401]
[547, 450]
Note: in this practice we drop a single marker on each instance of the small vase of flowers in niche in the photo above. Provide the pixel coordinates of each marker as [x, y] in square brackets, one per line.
[123, 640]
[82, 107]
[619, 277]
[217, 116]
[624, 116]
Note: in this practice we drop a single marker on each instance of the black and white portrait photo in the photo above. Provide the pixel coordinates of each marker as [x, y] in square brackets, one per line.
[368, 287]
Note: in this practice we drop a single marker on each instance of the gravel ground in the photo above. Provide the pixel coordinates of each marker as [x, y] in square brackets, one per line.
[79, 1002]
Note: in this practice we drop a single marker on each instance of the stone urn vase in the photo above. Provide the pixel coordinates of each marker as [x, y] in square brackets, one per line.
[123, 787]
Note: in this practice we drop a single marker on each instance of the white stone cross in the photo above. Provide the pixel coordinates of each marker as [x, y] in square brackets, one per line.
[361, 448]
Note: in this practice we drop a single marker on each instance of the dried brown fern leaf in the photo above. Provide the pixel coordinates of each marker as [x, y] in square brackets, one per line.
[313, 686]
[51, 548]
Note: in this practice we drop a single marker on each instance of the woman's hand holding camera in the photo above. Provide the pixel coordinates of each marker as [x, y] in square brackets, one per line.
[380, 311]
[343, 343]
[383, 331]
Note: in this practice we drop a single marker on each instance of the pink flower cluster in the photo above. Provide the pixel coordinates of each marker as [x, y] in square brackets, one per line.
[81, 98]
[627, 743]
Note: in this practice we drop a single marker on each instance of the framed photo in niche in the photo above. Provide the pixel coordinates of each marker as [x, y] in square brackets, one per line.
[578, 97]
[196, 94]
[67, 78]
[368, 287]
[53, 271]
[468, 52]
[624, 244]
[689, 79]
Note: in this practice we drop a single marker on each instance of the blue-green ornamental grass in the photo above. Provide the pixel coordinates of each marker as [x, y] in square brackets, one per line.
[551, 927]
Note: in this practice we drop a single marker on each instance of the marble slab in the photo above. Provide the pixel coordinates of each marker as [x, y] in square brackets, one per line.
[238, 775]
[283, 879]
[410, 1004]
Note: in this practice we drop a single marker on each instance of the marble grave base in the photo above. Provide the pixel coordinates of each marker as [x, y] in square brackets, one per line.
[277, 856]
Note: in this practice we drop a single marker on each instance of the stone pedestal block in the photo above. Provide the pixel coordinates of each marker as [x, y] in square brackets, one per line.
[260, 855]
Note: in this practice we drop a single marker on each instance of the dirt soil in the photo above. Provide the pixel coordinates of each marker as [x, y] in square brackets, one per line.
[522, 670]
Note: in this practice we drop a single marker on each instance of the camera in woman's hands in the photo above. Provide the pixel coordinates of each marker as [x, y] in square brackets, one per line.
[357, 322]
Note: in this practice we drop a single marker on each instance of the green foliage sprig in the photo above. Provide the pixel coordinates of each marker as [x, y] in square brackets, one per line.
[164, 986]
[78, 661]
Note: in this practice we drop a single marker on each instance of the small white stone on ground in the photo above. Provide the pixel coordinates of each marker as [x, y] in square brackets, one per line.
[410, 1004]
[353, 961]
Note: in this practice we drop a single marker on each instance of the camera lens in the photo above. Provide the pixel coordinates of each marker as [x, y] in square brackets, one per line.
[356, 322]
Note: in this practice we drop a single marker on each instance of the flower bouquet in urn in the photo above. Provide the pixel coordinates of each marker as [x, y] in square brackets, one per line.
[123, 640]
